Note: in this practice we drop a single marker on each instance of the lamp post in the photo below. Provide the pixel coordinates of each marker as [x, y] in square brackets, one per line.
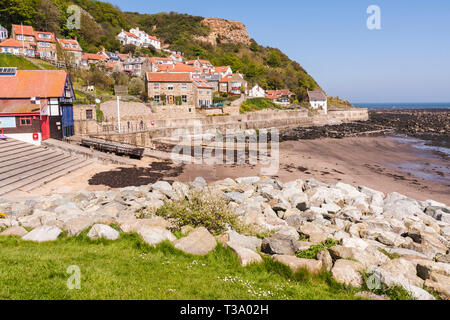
[118, 113]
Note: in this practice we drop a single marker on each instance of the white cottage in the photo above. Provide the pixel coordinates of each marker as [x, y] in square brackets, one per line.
[257, 92]
[318, 100]
[3, 33]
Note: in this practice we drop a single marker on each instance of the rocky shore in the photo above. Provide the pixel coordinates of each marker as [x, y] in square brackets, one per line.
[432, 125]
[365, 238]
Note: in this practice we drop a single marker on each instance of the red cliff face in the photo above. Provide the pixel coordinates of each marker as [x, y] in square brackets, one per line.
[225, 31]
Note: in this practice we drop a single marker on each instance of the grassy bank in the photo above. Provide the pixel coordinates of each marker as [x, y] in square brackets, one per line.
[256, 104]
[8, 60]
[129, 269]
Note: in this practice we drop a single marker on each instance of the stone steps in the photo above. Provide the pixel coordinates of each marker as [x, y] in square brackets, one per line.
[27, 167]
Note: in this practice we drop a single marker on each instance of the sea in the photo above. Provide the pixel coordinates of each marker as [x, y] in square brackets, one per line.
[406, 105]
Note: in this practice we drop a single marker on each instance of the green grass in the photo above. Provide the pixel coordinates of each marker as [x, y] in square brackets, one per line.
[45, 65]
[312, 252]
[129, 269]
[8, 60]
[256, 104]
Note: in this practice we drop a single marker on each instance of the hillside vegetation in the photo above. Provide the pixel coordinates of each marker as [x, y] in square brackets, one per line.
[101, 22]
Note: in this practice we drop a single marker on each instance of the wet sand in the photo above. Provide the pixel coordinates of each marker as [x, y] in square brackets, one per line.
[381, 163]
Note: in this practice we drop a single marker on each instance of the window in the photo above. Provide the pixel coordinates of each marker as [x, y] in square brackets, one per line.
[157, 99]
[44, 44]
[200, 92]
[184, 86]
[25, 121]
[44, 36]
[20, 37]
[184, 98]
[156, 86]
[170, 86]
[208, 92]
[88, 114]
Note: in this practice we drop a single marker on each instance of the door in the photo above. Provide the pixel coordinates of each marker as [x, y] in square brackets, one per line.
[170, 99]
[45, 127]
[67, 120]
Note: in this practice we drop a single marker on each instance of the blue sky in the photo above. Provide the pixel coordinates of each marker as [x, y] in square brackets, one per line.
[408, 60]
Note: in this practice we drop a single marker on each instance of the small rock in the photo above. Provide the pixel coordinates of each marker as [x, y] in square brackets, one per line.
[325, 257]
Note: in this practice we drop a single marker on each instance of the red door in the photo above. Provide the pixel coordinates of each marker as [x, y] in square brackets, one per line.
[45, 127]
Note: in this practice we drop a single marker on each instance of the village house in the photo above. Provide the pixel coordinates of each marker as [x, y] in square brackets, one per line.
[138, 38]
[3, 33]
[212, 79]
[282, 97]
[177, 58]
[257, 92]
[114, 66]
[36, 105]
[318, 100]
[137, 66]
[223, 71]
[234, 84]
[46, 45]
[25, 35]
[72, 49]
[165, 88]
[12, 46]
[128, 38]
[92, 58]
[202, 93]
[200, 63]
[157, 61]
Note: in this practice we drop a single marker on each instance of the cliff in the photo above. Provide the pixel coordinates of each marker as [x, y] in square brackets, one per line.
[225, 31]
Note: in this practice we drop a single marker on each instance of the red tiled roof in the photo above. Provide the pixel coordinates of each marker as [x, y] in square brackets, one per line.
[154, 38]
[37, 33]
[177, 68]
[18, 106]
[168, 77]
[93, 56]
[202, 84]
[156, 59]
[130, 34]
[33, 83]
[226, 79]
[25, 30]
[70, 42]
[11, 43]
[222, 69]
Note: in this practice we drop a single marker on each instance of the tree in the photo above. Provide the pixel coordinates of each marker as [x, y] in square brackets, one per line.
[136, 86]
[274, 59]
[48, 17]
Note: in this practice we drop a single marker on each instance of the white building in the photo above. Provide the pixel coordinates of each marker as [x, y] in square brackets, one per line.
[138, 38]
[318, 100]
[257, 92]
[3, 34]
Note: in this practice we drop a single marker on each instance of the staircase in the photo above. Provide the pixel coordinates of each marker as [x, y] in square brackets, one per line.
[26, 167]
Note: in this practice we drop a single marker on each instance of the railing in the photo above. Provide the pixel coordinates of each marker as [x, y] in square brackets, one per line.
[126, 126]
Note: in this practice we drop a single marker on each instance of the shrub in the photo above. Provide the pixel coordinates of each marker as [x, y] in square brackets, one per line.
[200, 209]
[136, 86]
[312, 252]
[258, 104]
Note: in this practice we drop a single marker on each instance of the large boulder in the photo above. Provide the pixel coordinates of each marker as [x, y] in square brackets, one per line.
[77, 225]
[400, 272]
[251, 243]
[325, 257]
[348, 272]
[313, 266]
[153, 235]
[440, 284]
[314, 233]
[103, 231]
[281, 246]
[43, 234]
[246, 256]
[370, 257]
[198, 242]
